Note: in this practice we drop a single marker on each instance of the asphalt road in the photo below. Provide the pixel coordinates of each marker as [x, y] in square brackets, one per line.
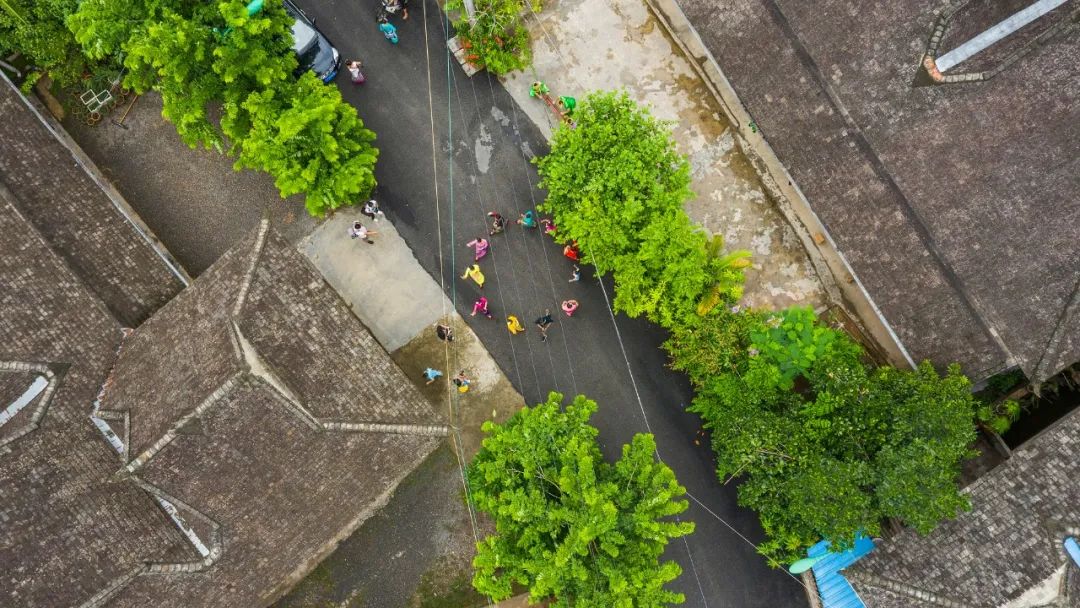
[481, 146]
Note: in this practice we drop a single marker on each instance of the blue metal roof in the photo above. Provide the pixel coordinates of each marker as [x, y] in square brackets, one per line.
[835, 591]
[1073, 549]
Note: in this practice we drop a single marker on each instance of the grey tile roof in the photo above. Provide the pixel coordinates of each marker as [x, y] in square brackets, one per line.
[82, 219]
[253, 403]
[67, 528]
[958, 206]
[279, 421]
[1010, 542]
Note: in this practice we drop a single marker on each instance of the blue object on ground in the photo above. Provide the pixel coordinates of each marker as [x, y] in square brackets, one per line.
[1073, 549]
[835, 591]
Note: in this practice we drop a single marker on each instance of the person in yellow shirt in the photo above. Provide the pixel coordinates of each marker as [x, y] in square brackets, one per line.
[473, 272]
[514, 325]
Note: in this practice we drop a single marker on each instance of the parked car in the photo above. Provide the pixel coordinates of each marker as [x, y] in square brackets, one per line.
[313, 51]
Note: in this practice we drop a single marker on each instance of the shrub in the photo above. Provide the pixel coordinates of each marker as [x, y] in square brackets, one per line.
[497, 38]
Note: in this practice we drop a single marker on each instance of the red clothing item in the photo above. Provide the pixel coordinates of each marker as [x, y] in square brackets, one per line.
[571, 251]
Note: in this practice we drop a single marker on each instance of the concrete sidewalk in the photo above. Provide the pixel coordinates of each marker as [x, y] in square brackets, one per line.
[422, 543]
[394, 296]
[581, 46]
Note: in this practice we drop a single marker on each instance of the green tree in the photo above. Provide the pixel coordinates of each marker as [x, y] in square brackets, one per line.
[202, 57]
[616, 185]
[569, 525]
[36, 29]
[312, 143]
[828, 445]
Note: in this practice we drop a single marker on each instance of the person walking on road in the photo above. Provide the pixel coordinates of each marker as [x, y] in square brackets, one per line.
[355, 74]
[569, 306]
[479, 244]
[543, 323]
[444, 332]
[473, 272]
[371, 209]
[548, 227]
[527, 220]
[359, 231]
[481, 306]
[431, 374]
[498, 224]
[392, 7]
[575, 276]
[572, 252]
[514, 325]
[388, 30]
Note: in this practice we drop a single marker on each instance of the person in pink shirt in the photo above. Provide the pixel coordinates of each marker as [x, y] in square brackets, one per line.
[569, 306]
[481, 306]
[479, 244]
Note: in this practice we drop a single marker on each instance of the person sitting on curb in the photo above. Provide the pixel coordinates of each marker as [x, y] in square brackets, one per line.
[567, 105]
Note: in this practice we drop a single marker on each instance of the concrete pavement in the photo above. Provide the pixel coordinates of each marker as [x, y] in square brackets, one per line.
[395, 308]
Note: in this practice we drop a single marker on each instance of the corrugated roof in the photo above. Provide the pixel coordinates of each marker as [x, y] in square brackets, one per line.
[835, 591]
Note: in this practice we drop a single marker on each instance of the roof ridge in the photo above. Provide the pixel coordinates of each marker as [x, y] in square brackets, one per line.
[256, 255]
[216, 547]
[259, 371]
[906, 208]
[1071, 307]
[226, 387]
[906, 590]
[87, 165]
[52, 372]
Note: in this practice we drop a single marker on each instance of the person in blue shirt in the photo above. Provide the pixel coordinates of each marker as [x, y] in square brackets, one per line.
[388, 30]
[527, 219]
[431, 374]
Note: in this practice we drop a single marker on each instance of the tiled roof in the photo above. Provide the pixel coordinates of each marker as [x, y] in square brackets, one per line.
[280, 423]
[255, 422]
[957, 206]
[67, 527]
[1008, 544]
[83, 220]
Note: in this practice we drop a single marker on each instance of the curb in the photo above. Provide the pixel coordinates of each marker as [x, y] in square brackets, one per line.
[841, 283]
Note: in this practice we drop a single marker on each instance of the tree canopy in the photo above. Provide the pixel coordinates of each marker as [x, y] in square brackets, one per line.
[569, 525]
[616, 185]
[828, 445]
[221, 58]
[36, 29]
